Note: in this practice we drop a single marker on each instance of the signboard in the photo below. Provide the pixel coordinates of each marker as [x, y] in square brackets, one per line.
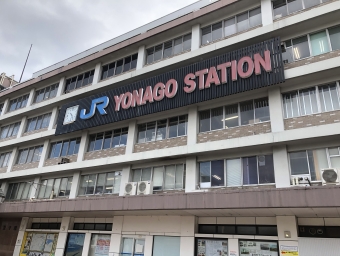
[258, 248]
[210, 247]
[289, 250]
[249, 68]
[39, 244]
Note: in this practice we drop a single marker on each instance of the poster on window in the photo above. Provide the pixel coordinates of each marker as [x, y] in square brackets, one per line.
[207, 247]
[102, 245]
[39, 244]
[258, 248]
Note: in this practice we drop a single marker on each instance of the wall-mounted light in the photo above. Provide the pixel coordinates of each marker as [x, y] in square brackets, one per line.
[287, 234]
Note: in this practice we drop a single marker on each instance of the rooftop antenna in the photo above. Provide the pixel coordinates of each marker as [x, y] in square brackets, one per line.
[25, 63]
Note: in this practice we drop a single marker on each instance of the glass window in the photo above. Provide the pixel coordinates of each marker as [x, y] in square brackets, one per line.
[119, 67]
[167, 49]
[298, 163]
[250, 175]
[329, 98]
[111, 69]
[230, 27]
[127, 63]
[300, 48]
[170, 177]
[149, 55]
[187, 42]
[178, 45]
[132, 247]
[79, 81]
[334, 34]
[255, 17]
[291, 105]
[319, 43]
[205, 174]
[150, 131]
[311, 3]
[246, 230]
[166, 246]
[217, 173]
[280, 9]
[100, 245]
[234, 172]
[287, 52]
[74, 244]
[217, 118]
[204, 120]
[161, 129]
[242, 22]
[247, 112]
[134, 61]
[158, 178]
[266, 169]
[104, 72]
[158, 52]
[307, 100]
[206, 35]
[294, 5]
[217, 31]
[261, 110]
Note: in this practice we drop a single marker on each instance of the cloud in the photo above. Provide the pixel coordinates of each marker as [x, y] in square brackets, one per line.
[62, 28]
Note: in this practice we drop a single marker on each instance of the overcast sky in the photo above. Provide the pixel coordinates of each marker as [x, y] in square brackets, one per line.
[59, 29]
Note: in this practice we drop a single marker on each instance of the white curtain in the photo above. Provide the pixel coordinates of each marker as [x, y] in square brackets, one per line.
[234, 172]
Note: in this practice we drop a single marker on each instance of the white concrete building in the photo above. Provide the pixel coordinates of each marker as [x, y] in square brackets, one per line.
[211, 131]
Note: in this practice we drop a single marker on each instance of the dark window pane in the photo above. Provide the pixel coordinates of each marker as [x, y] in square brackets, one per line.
[294, 5]
[178, 46]
[107, 140]
[173, 125]
[99, 141]
[247, 112]
[35, 226]
[100, 226]
[334, 34]
[141, 133]
[91, 77]
[217, 173]
[266, 169]
[231, 116]
[72, 84]
[205, 172]
[76, 147]
[79, 81]
[217, 31]
[134, 61]
[39, 95]
[226, 229]
[54, 90]
[149, 57]
[206, 35]
[64, 148]
[205, 121]
[249, 170]
[111, 69]
[267, 230]
[127, 63]
[116, 138]
[246, 230]
[88, 226]
[57, 149]
[123, 139]
[91, 142]
[104, 71]
[74, 244]
[71, 147]
[187, 42]
[158, 52]
[207, 229]
[300, 48]
[119, 67]
[167, 49]
[86, 79]
[261, 110]
[182, 126]
[108, 227]
[161, 129]
[298, 163]
[47, 92]
[150, 131]
[280, 9]
[217, 118]
[242, 22]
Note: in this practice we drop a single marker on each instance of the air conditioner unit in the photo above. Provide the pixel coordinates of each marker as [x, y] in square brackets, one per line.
[64, 160]
[329, 176]
[130, 189]
[144, 188]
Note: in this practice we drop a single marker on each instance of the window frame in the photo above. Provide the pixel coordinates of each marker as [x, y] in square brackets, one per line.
[91, 74]
[4, 159]
[223, 26]
[56, 193]
[24, 183]
[51, 151]
[36, 118]
[21, 99]
[123, 131]
[34, 148]
[133, 245]
[16, 127]
[115, 66]
[43, 90]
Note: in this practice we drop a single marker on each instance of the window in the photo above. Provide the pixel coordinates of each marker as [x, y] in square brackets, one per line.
[79, 81]
[38, 243]
[250, 112]
[283, 8]
[312, 100]
[231, 26]
[55, 188]
[204, 246]
[334, 34]
[120, 66]
[237, 172]
[64, 148]
[74, 244]
[264, 230]
[48, 92]
[10, 130]
[4, 159]
[109, 139]
[29, 155]
[38, 122]
[166, 246]
[93, 226]
[168, 49]
[18, 191]
[102, 183]
[17, 103]
[167, 177]
[45, 225]
[1, 107]
[261, 247]
[100, 245]
[163, 129]
[132, 246]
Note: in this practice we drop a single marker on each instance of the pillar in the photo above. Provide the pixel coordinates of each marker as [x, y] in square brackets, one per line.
[62, 237]
[116, 236]
[61, 86]
[22, 127]
[44, 153]
[266, 12]
[35, 188]
[141, 57]
[20, 237]
[281, 166]
[233, 247]
[124, 179]
[30, 97]
[53, 119]
[287, 223]
[187, 245]
[87, 242]
[5, 107]
[97, 73]
[195, 37]
[75, 185]
[192, 126]
[191, 179]
[275, 109]
[132, 137]
[83, 146]
[12, 159]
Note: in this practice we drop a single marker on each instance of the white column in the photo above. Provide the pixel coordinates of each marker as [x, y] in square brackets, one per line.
[44, 153]
[75, 185]
[233, 247]
[62, 237]
[266, 12]
[192, 126]
[97, 73]
[126, 172]
[22, 127]
[5, 107]
[281, 166]
[191, 179]
[195, 37]
[141, 57]
[187, 236]
[12, 159]
[30, 97]
[61, 86]
[87, 242]
[116, 237]
[35, 187]
[82, 146]
[148, 246]
[20, 237]
[286, 223]
[132, 137]
[275, 109]
[53, 119]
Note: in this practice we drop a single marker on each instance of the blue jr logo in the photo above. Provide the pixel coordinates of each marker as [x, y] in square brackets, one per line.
[99, 103]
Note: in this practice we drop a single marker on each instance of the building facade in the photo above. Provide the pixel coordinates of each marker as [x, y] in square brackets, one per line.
[211, 131]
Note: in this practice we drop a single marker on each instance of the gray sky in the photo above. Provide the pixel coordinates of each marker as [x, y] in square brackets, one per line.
[59, 29]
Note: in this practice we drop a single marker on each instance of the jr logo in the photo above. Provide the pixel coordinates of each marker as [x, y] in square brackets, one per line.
[99, 103]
